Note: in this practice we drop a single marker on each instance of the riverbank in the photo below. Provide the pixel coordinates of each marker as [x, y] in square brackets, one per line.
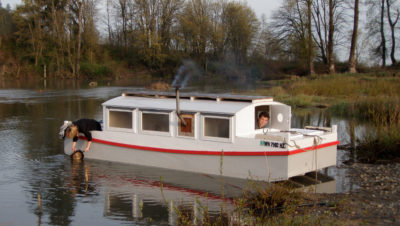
[375, 202]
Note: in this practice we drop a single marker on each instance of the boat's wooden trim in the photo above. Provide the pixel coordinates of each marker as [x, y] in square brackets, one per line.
[226, 153]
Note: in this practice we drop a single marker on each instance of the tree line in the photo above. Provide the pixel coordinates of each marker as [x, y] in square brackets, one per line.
[74, 38]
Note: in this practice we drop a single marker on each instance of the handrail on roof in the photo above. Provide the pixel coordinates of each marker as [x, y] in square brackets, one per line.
[200, 96]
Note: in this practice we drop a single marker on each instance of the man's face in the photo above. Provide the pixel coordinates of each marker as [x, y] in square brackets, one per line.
[262, 121]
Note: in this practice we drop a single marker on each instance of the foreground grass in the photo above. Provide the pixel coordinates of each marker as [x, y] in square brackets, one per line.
[272, 204]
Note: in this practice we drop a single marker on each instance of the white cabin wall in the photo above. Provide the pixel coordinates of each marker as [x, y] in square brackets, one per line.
[105, 118]
[245, 121]
[173, 124]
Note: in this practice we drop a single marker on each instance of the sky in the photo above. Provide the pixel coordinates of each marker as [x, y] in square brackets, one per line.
[259, 6]
[263, 6]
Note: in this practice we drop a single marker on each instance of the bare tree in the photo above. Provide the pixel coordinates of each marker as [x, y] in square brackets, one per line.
[289, 31]
[327, 20]
[320, 17]
[376, 29]
[331, 58]
[218, 31]
[309, 38]
[352, 56]
[79, 39]
[382, 33]
[123, 13]
[392, 24]
[168, 18]
[109, 28]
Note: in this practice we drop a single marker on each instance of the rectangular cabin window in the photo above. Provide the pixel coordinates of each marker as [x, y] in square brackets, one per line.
[120, 119]
[216, 127]
[187, 130]
[155, 121]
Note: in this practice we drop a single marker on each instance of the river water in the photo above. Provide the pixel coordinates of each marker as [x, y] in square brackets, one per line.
[40, 185]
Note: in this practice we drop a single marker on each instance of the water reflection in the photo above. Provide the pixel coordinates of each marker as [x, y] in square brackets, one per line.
[33, 168]
[142, 194]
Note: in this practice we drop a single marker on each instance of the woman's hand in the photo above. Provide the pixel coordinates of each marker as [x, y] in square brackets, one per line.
[88, 146]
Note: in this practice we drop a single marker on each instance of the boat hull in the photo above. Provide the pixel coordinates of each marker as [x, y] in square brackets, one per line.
[265, 166]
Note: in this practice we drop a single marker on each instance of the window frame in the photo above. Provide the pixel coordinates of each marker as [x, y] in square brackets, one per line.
[153, 132]
[194, 125]
[219, 139]
[262, 108]
[120, 129]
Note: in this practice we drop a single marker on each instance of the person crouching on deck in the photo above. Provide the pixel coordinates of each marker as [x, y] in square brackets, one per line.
[82, 126]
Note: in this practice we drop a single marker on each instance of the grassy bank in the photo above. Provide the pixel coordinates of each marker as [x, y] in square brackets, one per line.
[372, 98]
[270, 204]
[333, 89]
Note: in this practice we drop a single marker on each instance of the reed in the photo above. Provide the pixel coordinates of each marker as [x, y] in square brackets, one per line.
[279, 204]
[266, 204]
[273, 199]
[383, 142]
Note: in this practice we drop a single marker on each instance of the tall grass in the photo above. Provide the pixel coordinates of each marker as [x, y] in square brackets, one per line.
[271, 204]
[347, 86]
[332, 89]
[383, 143]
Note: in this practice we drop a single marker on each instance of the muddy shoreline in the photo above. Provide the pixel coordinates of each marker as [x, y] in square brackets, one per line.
[375, 202]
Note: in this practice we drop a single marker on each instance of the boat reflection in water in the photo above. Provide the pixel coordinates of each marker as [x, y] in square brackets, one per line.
[144, 194]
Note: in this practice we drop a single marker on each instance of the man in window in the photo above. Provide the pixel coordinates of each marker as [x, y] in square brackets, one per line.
[262, 120]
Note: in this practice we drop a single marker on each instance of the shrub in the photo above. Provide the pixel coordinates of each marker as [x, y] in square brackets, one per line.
[92, 70]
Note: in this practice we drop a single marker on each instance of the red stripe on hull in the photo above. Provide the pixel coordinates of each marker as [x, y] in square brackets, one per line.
[226, 153]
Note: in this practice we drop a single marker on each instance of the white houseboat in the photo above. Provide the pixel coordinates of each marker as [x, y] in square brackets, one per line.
[209, 134]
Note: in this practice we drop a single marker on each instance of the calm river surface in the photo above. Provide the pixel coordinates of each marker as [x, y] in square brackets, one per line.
[40, 185]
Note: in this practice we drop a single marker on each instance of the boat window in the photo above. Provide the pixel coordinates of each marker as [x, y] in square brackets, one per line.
[216, 127]
[188, 129]
[120, 119]
[155, 121]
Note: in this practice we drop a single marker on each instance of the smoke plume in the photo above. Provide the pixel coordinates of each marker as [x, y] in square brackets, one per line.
[184, 73]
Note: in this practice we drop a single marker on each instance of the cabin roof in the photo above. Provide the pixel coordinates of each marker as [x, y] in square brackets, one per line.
[200, 96]
[190, 102]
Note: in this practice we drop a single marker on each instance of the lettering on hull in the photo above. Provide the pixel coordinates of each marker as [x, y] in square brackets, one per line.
[272, 144]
